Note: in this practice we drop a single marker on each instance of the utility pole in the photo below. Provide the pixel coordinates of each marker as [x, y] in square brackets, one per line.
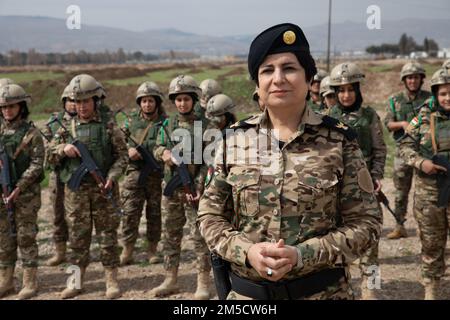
[329, 36]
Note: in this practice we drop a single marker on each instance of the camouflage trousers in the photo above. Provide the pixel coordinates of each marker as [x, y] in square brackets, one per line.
[25, 212]
[369, 261]
[402, 181]
[134, 197]
[60, 233]
[433, 226]
[85, 209]
[174, 211]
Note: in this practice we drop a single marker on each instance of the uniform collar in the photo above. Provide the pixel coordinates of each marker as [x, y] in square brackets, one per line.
[96, 118]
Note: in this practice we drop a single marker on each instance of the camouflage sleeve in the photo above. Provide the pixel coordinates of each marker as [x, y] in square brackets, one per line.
[55, 151]
[389, 117]
[215, 221]
[379, 149]
[36, 152]
[161, 144]
[47, 129]
[361, 217]
[120, 154]
[200, 178]
[410, 143]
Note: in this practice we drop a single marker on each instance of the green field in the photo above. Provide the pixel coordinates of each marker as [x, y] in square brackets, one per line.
[24, 77]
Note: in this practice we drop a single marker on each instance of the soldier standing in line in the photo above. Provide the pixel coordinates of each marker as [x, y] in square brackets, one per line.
[346, 78]
[315, 101]
[402, 108]
[143, 126]
[23, 150]
[327, 94]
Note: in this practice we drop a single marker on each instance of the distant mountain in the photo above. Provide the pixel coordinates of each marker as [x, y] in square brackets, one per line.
[51, 35]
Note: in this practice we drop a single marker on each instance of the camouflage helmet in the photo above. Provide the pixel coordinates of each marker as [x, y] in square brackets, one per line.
[65, 93]
[5, 81]
[346, 73]
[84, 86]
[325, 88]
[183, 84]
[319, 75]
[442, 76]
[148, 88]
[411, 68]
[218, 105]
[446, 64]
[12, 94]
[210, 88]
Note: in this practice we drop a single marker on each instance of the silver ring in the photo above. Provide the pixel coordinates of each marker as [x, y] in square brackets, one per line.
[269, 272]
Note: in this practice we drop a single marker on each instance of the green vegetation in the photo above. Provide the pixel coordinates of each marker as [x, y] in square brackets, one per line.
[380, 68]
[21, 77]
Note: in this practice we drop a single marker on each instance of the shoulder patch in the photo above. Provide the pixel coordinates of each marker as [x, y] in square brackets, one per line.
[339, 126]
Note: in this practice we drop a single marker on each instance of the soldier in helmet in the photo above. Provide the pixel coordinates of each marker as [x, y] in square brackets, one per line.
[327, 94]
[346, 79]
[143, 125]
[88, 206]
[401, 109]
[282, 239]
[184, 93]
[209, 88]
[218, 111]
[60, 234]
[428, 136]
[315, 101]
[24, 149]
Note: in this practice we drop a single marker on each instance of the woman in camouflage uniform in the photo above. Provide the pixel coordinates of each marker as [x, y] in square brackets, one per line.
[22, 147]
[428, 136]
[301, 212]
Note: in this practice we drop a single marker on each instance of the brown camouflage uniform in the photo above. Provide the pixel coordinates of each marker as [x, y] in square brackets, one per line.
[28, 202]
[175, 210]
[432, 220]
[316, 194]
[402, 108]
[134, 195]
[86, 207]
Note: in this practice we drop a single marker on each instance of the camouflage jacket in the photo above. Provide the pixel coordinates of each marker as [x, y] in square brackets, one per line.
[163, 142]
[316, 194]
[367, 124]
[418, 145]
[31, 155]
[402, 108]
[56, 155]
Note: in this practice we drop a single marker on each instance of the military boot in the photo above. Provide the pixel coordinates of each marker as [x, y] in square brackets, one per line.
[169, 285]
[30, 285]
[127, 254]
[366, 292]
[156, 258]
[112, 286]
[398, 232]
[6, 281]
[431, 289]
[60, 255]
[72, 292]
[203, 284]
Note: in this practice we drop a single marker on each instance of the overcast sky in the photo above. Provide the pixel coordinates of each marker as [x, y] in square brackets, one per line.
[223, 17]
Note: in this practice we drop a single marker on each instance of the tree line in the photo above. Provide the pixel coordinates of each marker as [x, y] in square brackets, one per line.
[33, 57]
[405, 46]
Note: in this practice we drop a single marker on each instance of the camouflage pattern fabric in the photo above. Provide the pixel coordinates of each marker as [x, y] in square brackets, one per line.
[316, 194]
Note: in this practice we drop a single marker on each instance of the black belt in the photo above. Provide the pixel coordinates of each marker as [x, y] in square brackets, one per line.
[287, 289]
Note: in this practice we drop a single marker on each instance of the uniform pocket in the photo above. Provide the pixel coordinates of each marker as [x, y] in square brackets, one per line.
[246, 187]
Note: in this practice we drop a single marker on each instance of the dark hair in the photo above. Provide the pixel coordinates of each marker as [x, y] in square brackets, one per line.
[358, 99]
[193, 96]
[157, 100]
[24, 112]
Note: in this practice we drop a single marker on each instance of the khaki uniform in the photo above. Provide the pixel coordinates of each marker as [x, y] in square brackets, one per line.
[432, 220]
[26, 172]
[86, 207]
[316, 194]
[175, 210]
[134, 195]
[402, 108]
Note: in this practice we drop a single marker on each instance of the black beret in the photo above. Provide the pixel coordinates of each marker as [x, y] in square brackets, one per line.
[285, 37]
